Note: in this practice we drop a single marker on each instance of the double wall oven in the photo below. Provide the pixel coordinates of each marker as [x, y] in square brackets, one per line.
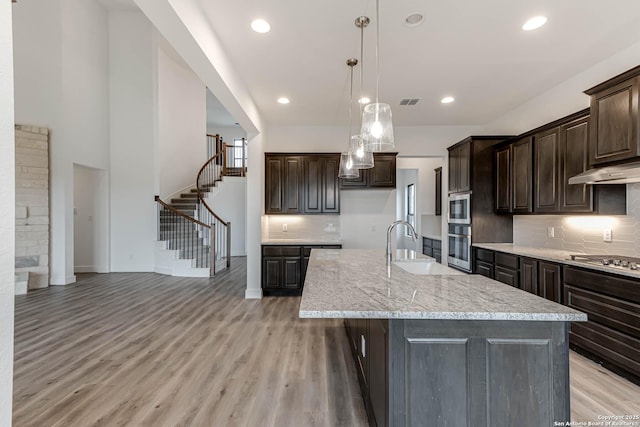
[459, 225]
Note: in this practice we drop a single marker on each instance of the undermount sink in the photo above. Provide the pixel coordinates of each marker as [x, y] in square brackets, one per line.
[427, 266]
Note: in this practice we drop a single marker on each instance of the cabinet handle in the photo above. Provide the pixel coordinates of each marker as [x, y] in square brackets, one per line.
[363, 345]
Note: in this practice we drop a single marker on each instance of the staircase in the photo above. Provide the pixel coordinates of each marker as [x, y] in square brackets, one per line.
[192, 240]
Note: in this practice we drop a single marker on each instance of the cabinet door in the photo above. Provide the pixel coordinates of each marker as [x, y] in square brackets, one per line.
[464, 167]
[312, 184]
[378, 370]
[574, 149]
[438, 191]
[291, 269]
[330, 185]
[503, 189]
[614, 123]
[292, 185]
[271, 272]
[549, 281]
[274, 184]
[521, 164]
[529, 275]
[453, 169]
[383, 173]
[546, 170]
[361, 181]
[362, 342]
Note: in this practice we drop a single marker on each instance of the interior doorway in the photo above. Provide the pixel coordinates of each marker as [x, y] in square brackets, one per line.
[90, 220]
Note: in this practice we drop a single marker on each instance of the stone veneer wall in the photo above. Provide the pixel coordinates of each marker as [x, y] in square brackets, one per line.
[584, 233]
[32, 204]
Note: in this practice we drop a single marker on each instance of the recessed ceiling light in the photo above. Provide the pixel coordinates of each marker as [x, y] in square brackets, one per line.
[535, 22]
[283, 100]
[260, 26]
[414, 20]
[447, 99]
[364, 100]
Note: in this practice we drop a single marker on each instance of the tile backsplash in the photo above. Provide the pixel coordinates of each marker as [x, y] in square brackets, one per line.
[584, 233]
[313, 227]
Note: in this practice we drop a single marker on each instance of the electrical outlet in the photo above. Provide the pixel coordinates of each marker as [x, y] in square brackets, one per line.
[285, 227]
[606, 235]
[551, 232]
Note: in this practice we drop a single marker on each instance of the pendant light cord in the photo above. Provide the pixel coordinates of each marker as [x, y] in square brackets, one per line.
[377, 47]
[361, 65]
[350, 104]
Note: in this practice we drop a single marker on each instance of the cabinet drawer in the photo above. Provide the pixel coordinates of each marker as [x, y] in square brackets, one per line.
[427, 251]
[507, 276]
[281, 250]
[437, 254]
[612, 312]
[484, 255]
[616, 287]
[506, 260]
[437, 244]
[484, 268]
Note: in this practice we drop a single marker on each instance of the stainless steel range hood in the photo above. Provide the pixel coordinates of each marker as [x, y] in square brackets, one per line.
[619, 174]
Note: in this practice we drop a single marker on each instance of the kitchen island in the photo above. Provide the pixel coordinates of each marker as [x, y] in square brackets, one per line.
[444, 349]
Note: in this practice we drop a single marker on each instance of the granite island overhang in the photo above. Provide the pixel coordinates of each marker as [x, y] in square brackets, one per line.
[444, 349]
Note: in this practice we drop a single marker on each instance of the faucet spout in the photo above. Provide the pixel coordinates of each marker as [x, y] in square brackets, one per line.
[414, 237]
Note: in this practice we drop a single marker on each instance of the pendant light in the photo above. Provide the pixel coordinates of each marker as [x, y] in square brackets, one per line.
[347, 162]
[377, 126]
[362, 157]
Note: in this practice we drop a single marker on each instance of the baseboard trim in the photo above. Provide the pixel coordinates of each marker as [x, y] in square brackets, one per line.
[91, 269]
[62, 280]
[163, 270]
[238, 253]
[253, 294]
[132, 269]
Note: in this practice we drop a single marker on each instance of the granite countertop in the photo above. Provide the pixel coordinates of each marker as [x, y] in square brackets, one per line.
[555, 255]
[353, 283]
[301, 241]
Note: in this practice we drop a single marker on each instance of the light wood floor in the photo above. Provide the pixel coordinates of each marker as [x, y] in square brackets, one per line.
[143, 349]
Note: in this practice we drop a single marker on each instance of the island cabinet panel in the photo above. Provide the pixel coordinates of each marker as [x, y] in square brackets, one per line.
[612, 334]
[379, 370]
[478, 373]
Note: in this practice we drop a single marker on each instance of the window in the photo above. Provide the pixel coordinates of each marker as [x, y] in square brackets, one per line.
[239, 149]
[411, 207]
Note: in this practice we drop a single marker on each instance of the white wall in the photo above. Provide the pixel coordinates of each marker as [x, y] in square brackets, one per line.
[365, 216]
[91, 220]
[181, 122]
[233, 192]
[7, 213]
[255, 210]
[132, 82]
[65, 89]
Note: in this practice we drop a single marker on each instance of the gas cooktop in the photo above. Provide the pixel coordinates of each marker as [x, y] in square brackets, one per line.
[619, 261]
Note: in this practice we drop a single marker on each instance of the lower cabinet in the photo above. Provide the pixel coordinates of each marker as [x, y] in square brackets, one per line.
[284, 268]
[612, 334]
[432, 248]
[369, 342]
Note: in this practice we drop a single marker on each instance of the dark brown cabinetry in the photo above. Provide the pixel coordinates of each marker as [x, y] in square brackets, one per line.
[532, 172]
[320, 184]
[283, 184]
[284, 268]
[381, 175]
[301, 183]
[615, 119]
[529, 275]
[507, 269]
[550, 281]
[432, 248]
[612, 303]
[460, 168]
[438, 192]
[514, 177]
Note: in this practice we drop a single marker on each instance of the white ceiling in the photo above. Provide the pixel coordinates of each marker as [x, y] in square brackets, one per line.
[473, 50]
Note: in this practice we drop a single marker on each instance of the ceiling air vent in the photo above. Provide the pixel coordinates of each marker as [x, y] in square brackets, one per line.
[409, 101]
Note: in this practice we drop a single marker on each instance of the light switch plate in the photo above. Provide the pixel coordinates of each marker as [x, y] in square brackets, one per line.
[551, 232]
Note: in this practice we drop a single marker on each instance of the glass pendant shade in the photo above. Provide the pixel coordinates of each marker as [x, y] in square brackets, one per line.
[377, 128]
[362, 158]
[347, 166]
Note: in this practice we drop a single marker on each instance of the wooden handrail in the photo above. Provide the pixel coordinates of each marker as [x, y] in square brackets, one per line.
[177, 212]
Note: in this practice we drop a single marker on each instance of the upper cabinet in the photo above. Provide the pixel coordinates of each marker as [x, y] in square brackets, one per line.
[301, 183]
[382, 175]
[460, 167]
[283, 184]
[615, 120]
[532, 172]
